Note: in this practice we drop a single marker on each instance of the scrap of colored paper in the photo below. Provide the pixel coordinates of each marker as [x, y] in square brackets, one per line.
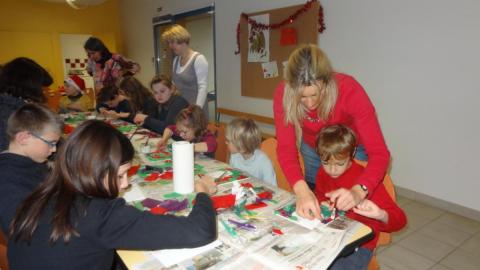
[152, 177]
[266, 195]
[67, 129]
[157, 210]
[223, 201]
[172, 195]
[166, 175]
[256, 205]
[133, 170]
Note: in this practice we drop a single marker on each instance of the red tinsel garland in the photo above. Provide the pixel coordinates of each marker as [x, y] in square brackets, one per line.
[290, 19]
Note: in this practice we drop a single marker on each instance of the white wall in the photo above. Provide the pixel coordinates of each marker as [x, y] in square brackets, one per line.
[72, 47]
[418, 62]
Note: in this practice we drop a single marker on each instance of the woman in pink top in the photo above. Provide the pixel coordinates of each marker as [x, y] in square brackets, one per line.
[312, 96]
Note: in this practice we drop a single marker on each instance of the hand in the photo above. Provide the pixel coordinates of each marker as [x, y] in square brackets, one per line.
[206, 184]
[139, 119]
[307, 203]
[370, 209]
[162, 143]
[345, 199]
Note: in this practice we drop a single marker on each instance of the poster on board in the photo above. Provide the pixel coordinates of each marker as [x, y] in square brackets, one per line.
[259, 41]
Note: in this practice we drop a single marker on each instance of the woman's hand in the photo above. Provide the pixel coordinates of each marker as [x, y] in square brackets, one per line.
[346, 199]
[307, 203]
[139, 119]
[370, 209]
[206, 184]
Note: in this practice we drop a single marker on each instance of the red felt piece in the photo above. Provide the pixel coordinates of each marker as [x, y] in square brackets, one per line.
[247, 185]
[152, 177]
[255, 205]
[167, 175]
[157, 210]
[133, 170]
[67, 129]
[277, 231]
[266, 195]
[223, 201]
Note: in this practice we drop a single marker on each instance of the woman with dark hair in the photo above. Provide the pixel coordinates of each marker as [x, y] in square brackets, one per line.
[170, 104]
[106, 67]
[140, 97]
[74, 219]
[21, 81]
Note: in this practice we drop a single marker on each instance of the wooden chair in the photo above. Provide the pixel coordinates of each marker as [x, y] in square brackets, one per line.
[384, 238]
[3, 252]
[269, 147]
[218, 130]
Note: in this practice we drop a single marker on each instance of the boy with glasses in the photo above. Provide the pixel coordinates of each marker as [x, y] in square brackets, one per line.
[33, 132]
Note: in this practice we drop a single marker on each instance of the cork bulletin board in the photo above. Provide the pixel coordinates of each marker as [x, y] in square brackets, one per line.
[254, 84]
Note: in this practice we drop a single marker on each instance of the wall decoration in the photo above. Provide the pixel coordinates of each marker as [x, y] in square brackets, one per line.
[258, 41]
[270, 69]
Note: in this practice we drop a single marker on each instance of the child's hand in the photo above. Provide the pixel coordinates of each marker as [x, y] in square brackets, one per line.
[344, 199]
[139, 118]
[206, 184]
[369, 209]
[162, 143]
[112, 114]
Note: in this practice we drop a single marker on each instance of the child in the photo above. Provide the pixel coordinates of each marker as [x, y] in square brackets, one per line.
[33, 132]
[75, 99]
[336, 148]
[74, 219]
[170, 103]
[191, 126]
[243, 141]
[140, 97]
[113, 103]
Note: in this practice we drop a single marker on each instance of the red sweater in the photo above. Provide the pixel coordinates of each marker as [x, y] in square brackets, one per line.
[353, 109]
[396, 217]
[207, 138]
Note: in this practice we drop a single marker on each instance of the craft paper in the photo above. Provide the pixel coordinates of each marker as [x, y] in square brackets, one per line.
[182, 159]
[259, 41]
[133, 194]
[270, 69]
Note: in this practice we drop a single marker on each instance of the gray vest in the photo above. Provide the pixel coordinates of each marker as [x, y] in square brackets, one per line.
[186, 82]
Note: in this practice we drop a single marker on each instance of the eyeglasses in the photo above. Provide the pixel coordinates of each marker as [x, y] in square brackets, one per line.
[51, 144]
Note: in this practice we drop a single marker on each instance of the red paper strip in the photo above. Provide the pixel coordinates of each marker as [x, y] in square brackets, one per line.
[152, 177]
[224, 201]
[255, 205]
[157, 210]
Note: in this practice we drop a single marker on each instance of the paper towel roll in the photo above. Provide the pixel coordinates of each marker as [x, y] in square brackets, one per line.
[182, 159]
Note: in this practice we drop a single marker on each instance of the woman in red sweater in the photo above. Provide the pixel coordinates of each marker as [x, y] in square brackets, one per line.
[312, 96]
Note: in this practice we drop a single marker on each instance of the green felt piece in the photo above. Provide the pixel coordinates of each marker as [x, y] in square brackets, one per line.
[172, 195]
[138, 205]
[325, 211]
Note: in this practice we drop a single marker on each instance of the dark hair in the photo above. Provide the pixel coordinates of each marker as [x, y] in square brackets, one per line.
[337, 141]
[96, 45]
[136, 92]
[34, 118]
[24, 78]
[92, 153]
[107, 93]
[194, 118]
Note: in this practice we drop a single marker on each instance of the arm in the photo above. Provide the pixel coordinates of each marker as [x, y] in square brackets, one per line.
[167, 134]
[208, 144]
[158, 125]
[287, 152]
[201, 70]
[125, 227]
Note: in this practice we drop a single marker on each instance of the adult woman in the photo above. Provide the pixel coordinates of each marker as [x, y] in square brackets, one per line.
[170, 104]
[140, 97]
[21, 81]
[106, 67]
[74, 219]
[190, 68]
[314, 96]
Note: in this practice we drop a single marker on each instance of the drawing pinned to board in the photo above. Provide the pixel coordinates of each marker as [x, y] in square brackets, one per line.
[270, 70]
[259, 41]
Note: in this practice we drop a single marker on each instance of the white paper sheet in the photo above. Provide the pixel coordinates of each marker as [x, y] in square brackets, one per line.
[134, 194]
[169, 257]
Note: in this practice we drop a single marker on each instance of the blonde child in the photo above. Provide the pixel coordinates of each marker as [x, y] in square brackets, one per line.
[191, 126]
[75, 99]
[33, 131]
[336, 147]
[243, 141]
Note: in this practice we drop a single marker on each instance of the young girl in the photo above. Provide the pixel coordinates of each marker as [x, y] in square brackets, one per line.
[75, 99]
[74, 219]
[140, 97]
[191, 126]
[170, 104]
[243, 141]
[114, 104]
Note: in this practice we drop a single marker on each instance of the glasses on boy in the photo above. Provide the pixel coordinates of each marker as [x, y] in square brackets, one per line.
[51, 144]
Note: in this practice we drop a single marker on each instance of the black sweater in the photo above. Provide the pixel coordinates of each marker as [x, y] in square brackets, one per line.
[166, 114]
[110, 225]
[8, 104]
[19, 176]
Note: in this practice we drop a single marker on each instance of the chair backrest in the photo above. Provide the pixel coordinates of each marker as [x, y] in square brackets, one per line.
[3, 252]
[222, 153]
[384, 238]
[269, 147]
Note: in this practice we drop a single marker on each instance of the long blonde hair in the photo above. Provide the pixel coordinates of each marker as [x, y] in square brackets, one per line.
[308, 65]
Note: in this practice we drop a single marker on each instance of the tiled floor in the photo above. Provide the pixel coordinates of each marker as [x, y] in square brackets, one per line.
[433, 239]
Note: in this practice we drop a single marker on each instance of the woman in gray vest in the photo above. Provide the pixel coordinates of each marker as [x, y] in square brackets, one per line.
[190, 68]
